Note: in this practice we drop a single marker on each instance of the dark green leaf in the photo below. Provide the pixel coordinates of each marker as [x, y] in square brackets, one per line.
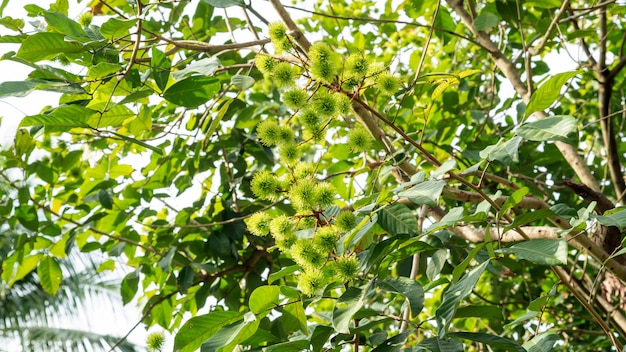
[505, 152]
[395, 343]
[27, 216]
[408, 288]
[548, 128]
[540, 251]
[497, 342]
[542, 342]
[46, 46]
[129, 286]
[439, 344]
[288, 270]
[192, 91]
[198, 329]
[548, 92]
[454, 294]
[106, 198]
[115, 28]
[397, 219]
[225, 3]
[615, 217]
[426, 192]
[242, 82]
[160, 68]
[66, 26]
[294, 318]
[264, 298]
[347, 305]
[492, 313]
[229, 336]
[50, 275]
[486, 21]
[204, 67]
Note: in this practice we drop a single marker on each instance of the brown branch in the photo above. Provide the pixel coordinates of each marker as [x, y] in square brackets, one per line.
[510, 72]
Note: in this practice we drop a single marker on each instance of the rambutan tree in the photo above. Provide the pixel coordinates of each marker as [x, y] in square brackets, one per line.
[417, 175]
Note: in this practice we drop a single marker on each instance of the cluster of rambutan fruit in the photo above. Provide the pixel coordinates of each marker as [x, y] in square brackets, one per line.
[310, 237]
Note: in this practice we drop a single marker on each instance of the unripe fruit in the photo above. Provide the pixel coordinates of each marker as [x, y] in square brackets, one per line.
[359, 140]
[325, 62]
[265, 63]
[325, 239]
[306, 255]
[311, 281]
[281, 227]
[269, 132]
[265, 185]
[259, 224]
[295, 99]
[388, 83]
[284, 75]
[345, 221]
[289, 153]
[356, 65]
[346, 268]
[325, 104]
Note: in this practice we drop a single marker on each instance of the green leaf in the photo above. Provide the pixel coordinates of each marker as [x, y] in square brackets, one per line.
[14, 24]
[198, 329]
[542, 342]
[408, 288]
[103, 70]
[347, 305]
[66, 26]
[435, 263]
[615, 217]
[395, 343]
[486, 21]
[115, 28]
[289, 346]
[264, 298]
[27, 216]
[160, 68]
[129, 286]
[225, 3]
[448, 220]
[46, 46]
[192, 91]
[218, 119]
[499, 343]
[229, 336]
[294, 318]
[204, 67]
[549, 128]
[319, 337]
[426, 192]
[242, 82]
[138, 142]
[530, 217]
[440, 344]
[505, 152]
[3, 6]
[50, 275]
[354, 236]
[492, 313]
[454, 294]
[106, 198]
[63, 116]
[397, 219]
[14, 268]
[512, 201]
[165, 263]
[540, 251]
[288, 270]
[548, 92]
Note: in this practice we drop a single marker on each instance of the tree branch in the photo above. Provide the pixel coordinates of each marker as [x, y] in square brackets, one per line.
[510, 72]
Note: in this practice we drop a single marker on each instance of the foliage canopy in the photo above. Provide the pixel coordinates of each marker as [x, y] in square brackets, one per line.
[362, 178]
